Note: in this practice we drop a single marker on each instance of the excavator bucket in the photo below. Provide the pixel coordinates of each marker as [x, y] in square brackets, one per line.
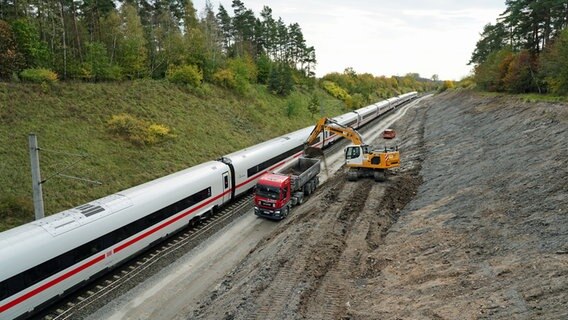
[312, 152]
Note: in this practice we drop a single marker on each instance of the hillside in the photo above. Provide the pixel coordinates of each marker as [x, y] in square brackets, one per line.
[72, 119]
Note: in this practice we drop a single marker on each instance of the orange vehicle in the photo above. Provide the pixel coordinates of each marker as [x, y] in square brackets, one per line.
[362, 159]
[389, 134]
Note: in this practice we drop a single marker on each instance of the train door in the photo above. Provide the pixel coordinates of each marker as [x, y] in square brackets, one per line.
[226, 187]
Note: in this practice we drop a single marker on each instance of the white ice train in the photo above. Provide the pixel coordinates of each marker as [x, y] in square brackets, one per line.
[45, 259]
[358, 118]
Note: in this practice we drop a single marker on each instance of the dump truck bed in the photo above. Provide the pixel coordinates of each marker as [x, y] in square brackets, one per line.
[302, 171]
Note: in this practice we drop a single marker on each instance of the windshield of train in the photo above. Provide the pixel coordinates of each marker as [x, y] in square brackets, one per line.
[268, 191]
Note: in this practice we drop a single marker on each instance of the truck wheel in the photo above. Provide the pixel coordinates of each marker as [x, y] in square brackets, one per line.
[285, 212]
[307, 190]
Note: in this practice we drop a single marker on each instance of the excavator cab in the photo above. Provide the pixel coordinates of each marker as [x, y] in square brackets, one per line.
[354, 155]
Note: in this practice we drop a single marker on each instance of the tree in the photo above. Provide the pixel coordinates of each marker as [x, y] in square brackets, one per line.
[264, 65]
[520, 76]
[490, 74]
[225, 22]
[314, 105]
[132, 53]
[280, 79]
[10, 58]
[212, 41]
[493, 38]
[33, 51]
[92, 11]
[168, 48]
[554, 62]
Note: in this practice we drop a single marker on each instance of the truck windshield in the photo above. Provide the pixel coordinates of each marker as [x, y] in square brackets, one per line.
[267, 191]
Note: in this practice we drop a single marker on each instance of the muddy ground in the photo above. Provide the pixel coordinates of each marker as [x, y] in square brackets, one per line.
[474, 225]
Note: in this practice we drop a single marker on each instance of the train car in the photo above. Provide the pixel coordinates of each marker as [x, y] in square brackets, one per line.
[249, 164]
[350, 119]
[366, 114]
[49, 257]
[382, 107]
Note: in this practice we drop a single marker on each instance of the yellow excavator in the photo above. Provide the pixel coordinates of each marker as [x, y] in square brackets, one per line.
[362, 159]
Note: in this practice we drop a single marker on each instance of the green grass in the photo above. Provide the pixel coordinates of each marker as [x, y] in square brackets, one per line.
[71, 118]
[527, 97]
[535, 97]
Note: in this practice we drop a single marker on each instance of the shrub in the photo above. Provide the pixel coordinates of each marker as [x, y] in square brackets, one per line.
[225, 78]
[447, 84]
[136, 131]
[186, 74]
[156, 132]
[293, 105]
[38, 75]
[314, 105]
[334, 90]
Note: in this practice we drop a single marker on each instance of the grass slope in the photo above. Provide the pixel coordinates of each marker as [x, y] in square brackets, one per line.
[71, 118]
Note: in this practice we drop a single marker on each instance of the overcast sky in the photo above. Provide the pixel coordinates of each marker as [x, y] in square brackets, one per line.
[385, 37]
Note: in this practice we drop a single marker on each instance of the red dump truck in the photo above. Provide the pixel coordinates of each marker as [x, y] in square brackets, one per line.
[276, 193]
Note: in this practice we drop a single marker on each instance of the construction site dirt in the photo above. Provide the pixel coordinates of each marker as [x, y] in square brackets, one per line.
[473, 225]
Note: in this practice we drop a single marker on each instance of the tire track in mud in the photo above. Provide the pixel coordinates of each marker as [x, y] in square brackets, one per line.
[319, 253]
[324, 295]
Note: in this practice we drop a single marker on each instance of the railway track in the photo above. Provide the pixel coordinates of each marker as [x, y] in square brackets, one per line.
[77, 304]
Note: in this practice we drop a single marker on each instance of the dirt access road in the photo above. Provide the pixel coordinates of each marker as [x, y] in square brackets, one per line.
[473, 226]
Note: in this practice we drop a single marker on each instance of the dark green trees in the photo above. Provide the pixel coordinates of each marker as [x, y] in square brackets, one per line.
[97, 40]
[523, 51]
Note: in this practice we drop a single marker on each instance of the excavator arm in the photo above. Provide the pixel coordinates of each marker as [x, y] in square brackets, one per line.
[326, 124]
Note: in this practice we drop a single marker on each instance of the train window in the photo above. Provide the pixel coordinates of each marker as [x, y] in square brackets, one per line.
[226, 182]
[3, 290]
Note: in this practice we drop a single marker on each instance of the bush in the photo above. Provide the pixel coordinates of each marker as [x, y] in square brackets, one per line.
[157, 132]
[293, 105]
[225, 78]
[136, 131]
[448, 84]
[334, 90]
[186, 74]
[38, 75]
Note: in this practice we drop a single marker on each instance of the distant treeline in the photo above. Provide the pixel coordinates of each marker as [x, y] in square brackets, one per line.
[106, 40]
[526, 50]
[98, 40]
[361, 89]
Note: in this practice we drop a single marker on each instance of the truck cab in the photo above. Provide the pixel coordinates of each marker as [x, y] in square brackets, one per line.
[272, 196]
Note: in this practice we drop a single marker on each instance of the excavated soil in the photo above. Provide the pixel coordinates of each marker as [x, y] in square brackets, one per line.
[474, 225]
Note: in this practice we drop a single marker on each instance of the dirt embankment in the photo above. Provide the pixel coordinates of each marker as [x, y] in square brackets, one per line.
[473, 226]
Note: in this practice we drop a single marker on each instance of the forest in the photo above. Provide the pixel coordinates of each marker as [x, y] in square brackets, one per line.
[106, 40]
[525, 50]
[102, 40]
